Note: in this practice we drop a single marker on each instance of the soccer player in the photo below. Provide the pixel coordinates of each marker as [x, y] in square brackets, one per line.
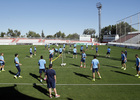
[51, 81]
[51, 55]
[45, 46]
[64, 47]
[60, 51]
[2, 62]
[123, 58]
[108, 52]
[42, 67]
[97, 50]
[95, 66]
[86, 46]
[35, 50]
[74, 52]
[75, 45]
[125, 52]
[48, 46]
[17, 64]
[137, 65]
[31, 52]
[83, 59]
[91, 45]
[56, 51]
[81, 49]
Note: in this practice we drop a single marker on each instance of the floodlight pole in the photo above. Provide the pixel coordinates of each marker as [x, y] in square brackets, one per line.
[99, 6]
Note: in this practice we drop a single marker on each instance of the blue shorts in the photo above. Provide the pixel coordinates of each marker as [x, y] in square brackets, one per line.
[31, 53]
[94, 69]
[108, 53]
[74, 53]
[51, 84]
[51, 56]
[42, 70]
[1, 64]
[60, 52]
[82, 60]
[137, 68]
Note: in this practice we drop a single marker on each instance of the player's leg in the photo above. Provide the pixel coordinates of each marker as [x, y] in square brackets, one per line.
[124, 66]
[40, 72]
[93, 74]
[122, 62]
[84, 64]
[98, 73]
[3, 64]
[54, 89]
[139, 72]
[81, 64]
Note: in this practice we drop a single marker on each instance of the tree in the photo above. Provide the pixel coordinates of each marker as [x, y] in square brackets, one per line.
[32, 34]
[49, 36]
[17, 33]
[42, 34]
[89, 31]
[59, 35]
[10, 33]
[73, 36]
[2, 34]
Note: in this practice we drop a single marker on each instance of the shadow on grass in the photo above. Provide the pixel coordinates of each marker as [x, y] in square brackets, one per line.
[122, 73]
[112, 66]
[34, 76]
[82, 75]
[12, 72]
[74, 65]
[41, 89]
[69, 99]
[11, 92]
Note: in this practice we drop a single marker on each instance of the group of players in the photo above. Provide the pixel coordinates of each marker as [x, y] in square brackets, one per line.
[50, 74]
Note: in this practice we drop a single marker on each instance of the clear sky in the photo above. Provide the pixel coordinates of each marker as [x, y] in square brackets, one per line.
[68, 16]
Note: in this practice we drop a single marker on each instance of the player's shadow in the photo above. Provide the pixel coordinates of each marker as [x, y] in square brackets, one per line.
[34, 76]
[12, 72]
[68, 56]
[74, 65]
[111, 66]
[27, 56]
[11, 92]
[41, 89]
[122, 73]
[82, 75]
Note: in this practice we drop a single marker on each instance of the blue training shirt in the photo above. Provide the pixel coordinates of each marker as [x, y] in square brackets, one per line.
[2, 58]
[96, 48]
[31, 50]
[83, 56]
[81, 48]
[41, 63]
[123, 56]
[137, 61]
[108, 49]
[34, 48]
[60, 49]
[51, 52]
[95, 63]
[74, 50]
[16, 60]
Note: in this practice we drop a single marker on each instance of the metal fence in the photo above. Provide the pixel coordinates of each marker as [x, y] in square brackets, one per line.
[129, 29]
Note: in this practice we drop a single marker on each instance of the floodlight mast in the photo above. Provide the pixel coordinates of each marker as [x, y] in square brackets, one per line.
[99, 6]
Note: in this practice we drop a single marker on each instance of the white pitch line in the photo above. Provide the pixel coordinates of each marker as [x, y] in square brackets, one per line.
[71, 84]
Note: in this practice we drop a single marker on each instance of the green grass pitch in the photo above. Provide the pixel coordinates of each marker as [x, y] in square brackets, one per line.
[73, 83]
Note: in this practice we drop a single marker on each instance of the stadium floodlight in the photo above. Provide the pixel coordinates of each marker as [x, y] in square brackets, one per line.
[99, 6]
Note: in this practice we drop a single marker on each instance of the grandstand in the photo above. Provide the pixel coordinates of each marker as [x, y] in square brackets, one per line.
[132, 37]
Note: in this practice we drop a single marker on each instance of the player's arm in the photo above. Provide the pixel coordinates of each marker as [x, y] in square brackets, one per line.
[18, 63]
[98, 66]
[91, 67]
[1, 60]
[55, 78]
[45, 66]
[139, 64]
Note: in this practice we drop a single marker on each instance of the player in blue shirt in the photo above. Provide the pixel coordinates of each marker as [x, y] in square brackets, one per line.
[42, 67]
[31, 53]
[60, 51]
[17, 64]
[91, 45]
[56, 51]
[81, 49]
[74, 52]
[75, 45]
[51, 55]
[125, 52]
[51, 81]
[48, 46]
[108, 52]
[35, 50]
[123, 58]
[83, 59]
[137, 65]
[94, 67]
[2, 62]
[97, 50]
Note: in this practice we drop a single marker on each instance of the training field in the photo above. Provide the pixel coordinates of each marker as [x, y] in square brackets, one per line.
[73, 83]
